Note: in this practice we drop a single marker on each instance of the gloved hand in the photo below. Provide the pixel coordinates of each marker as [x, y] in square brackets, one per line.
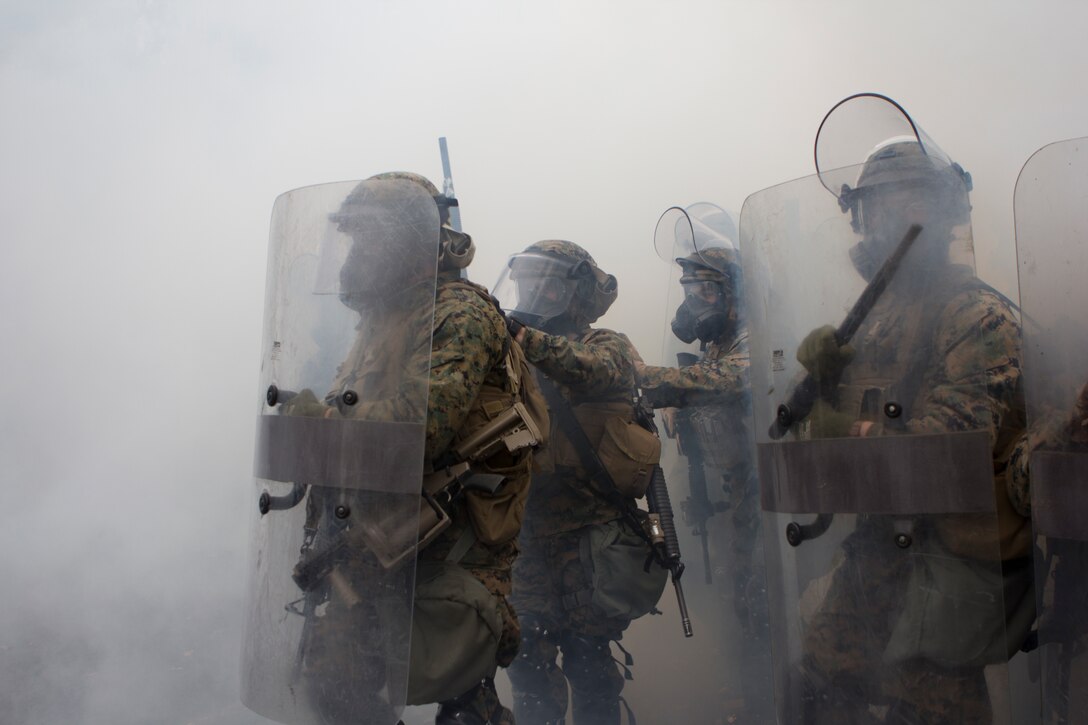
[826, 422]
[822, 356]
[305, 404]
[515, 327]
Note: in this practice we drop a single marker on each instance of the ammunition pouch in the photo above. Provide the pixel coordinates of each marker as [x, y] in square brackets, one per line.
[498, 448]
[629, 453]
[456, 626]
[951, 617]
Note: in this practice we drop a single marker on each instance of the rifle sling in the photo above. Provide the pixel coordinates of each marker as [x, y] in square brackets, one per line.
[601, 483]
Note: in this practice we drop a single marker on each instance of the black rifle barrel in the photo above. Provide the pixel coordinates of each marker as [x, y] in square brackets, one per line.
[657, 496]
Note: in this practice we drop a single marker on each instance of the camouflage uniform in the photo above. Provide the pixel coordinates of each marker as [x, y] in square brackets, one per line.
[975, 339]
[594, 369]
[468, 384]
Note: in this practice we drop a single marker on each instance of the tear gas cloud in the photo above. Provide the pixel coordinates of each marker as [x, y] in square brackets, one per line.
[144, 144]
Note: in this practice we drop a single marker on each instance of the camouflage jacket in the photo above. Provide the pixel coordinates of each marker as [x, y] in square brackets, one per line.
[719, 378]
[594, 370]
[407, 358]
[954, 360]
[714, 399]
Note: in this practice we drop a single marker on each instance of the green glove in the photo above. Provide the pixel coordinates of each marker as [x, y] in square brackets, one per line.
[305, 404]
[821, 355]
[826, 422]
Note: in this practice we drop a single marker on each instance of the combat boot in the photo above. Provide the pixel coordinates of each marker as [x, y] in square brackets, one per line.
[452, 714]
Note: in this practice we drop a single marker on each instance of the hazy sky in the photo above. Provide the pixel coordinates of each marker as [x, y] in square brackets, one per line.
[143, 144]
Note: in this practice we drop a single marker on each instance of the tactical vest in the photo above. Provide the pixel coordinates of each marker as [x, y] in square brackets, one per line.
[562, 499]
[497, 518]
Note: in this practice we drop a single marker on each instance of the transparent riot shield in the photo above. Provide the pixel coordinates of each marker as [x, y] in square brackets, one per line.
[339, 452]
[1052, 249]
[883, 548]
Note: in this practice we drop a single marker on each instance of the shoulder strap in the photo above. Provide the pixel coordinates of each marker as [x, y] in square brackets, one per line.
[603, 485]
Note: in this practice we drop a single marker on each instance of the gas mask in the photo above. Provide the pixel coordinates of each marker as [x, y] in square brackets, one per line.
[867, 257]
[700, 317]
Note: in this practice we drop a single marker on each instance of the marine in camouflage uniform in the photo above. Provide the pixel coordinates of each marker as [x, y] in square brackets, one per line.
[714, 407]
[463, 350]
[713, 395]
[593, 369]
[967, 378]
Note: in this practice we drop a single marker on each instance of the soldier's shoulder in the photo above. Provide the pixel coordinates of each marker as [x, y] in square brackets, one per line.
[980, 330]
[981, 304]
[468, 309]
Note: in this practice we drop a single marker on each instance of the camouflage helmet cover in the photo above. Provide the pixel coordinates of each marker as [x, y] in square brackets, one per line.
[598, 289]
[408, 176]
[562, 249]
[457, 248]
[901, 163]
[900, 160]
[713, 264]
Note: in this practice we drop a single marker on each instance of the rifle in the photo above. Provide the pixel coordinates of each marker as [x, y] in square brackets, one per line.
[806, 393]
[663, 526]
[697, 507]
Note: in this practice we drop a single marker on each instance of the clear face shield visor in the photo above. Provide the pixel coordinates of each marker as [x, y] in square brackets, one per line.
[539, 287]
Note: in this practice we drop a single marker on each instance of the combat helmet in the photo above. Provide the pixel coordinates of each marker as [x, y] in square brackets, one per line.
[874, 132]
[901, 163]
[554, 280]
[456, 249]
[595, 291]
[716, 264]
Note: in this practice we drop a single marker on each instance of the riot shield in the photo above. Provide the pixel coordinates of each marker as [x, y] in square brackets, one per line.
[340, 451]
[1051, 247]
[707, 457]
[873, 424]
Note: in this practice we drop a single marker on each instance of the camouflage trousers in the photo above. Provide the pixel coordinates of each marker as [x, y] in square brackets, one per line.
[844, 676]
[551, 594]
